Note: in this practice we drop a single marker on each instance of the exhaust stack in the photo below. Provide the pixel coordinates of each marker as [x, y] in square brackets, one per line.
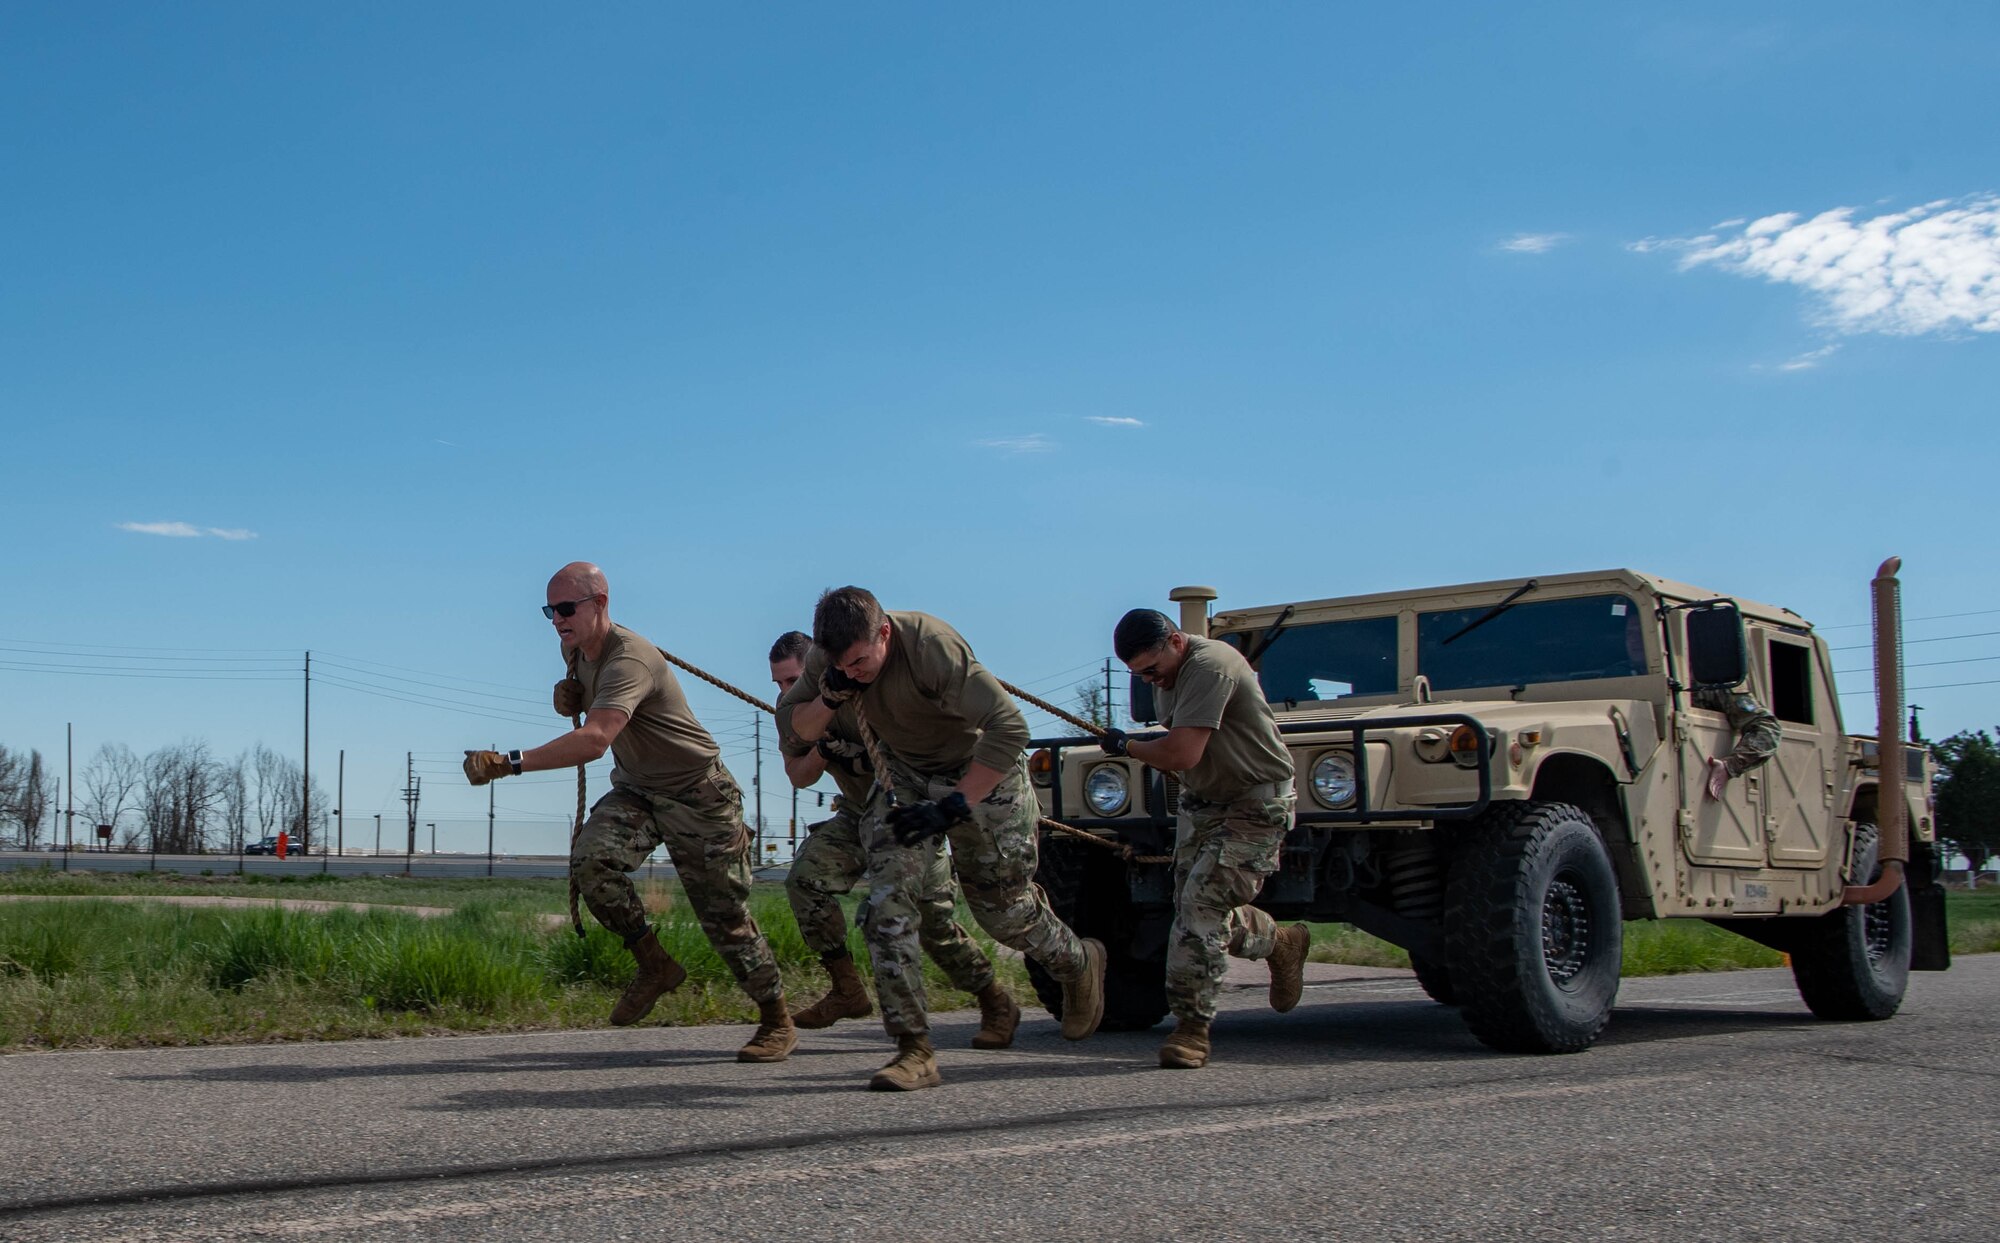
[1194, 608]
[1892, 814]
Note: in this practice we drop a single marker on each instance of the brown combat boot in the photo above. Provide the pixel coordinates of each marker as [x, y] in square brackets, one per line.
[1187, 1047]
[775, 1036]
[1083, 997]
[1288, 966]
[846, 1000]
[999, 1015]
[658, 973]
[913, 1067]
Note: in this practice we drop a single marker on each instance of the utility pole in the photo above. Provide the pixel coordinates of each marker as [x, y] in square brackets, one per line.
[69, 763]
[412, 789]
[378, 834]
[340, 806]
[1110, 717]
[432, 826]
[490, 787]
[306, 767]
[757, 784]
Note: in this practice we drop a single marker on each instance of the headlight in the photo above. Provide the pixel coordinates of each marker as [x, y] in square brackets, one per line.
[1333, 779]
[1105, 789]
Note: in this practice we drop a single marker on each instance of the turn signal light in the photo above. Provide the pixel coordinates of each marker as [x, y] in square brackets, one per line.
[1465, 747]
[1042, 767]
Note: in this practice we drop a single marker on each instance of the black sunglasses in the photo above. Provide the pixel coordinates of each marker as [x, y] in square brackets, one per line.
[567, 608]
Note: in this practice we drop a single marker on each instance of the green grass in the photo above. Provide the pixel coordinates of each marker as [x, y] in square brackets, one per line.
[96, 974]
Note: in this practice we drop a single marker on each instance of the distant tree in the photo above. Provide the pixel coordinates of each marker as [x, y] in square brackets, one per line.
[1092, 706]
[179, 797]
[1968, 795]
[27, 795]
[111, 783]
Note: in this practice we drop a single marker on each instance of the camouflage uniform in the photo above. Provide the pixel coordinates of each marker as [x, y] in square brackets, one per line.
[832, 862]
[710, 846]
[935, 711]
[1757, 731]
[994, 858]
[668, 786]
[1222, 856]
[1236, 806]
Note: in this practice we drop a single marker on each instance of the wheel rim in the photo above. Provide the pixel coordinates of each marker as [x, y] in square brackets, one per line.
[1878, 932]
[1566, 930]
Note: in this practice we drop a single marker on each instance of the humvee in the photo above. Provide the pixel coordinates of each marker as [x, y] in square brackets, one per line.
[1496, 776]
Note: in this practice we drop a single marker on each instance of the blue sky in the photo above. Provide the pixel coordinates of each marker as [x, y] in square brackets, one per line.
[1020, 318]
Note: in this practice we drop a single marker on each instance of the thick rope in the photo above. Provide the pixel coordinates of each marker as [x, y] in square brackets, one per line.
[719, 684]
[1095, 731]
[880, 764]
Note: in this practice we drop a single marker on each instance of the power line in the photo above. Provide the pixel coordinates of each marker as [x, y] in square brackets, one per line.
[113, 647]
[431, 673]
[1943, 638]
[1924, 664]
[1932, 617]
[426, 702]
[369, 673]
[85, 671]
[1935, 686]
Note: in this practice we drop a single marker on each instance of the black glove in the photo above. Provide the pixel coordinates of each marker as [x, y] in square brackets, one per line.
[836, 688]
[912, 823]
[1114, 742]
[840, 751]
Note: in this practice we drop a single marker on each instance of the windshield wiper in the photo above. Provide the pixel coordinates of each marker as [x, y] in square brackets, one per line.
[1265, 640]
[1490, 614]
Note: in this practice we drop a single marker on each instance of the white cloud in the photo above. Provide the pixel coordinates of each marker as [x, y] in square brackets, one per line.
[1934, 268]
[1810, 359]
[1114, 420]
[1033, 442]
[1534, 243]
[186, 530]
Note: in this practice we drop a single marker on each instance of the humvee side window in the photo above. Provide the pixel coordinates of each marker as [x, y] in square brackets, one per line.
[1791, 682]
[1534, 641]
[1326, 660]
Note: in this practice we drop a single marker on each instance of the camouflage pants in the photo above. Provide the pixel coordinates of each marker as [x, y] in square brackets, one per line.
[994, 859]
[1222, 855]
[703, 831]
[832, 862]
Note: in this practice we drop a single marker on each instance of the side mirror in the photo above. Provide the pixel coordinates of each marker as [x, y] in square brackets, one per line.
[1716, 655]
[1140, 701]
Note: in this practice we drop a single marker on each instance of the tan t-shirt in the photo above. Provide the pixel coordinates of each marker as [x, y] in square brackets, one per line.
[1217, 689]
[662, 749]
[850, 768]
[933, 707]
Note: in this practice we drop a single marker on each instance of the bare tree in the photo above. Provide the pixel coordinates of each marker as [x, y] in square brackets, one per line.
[1091, 704]
[27, 794]
[274, 785]
[111, 782]
[234, 809]
[180, 795]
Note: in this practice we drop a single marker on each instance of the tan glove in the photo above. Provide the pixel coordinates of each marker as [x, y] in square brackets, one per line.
[484, 766]
[569, 697]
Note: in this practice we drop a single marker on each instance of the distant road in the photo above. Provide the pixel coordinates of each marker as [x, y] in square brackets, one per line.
[443, 866]
[265, 865]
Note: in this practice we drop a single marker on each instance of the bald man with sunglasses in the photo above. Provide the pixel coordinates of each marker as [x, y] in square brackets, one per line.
[669, 787]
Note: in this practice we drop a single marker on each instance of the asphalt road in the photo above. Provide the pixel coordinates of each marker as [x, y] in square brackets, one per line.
[1715, 1108]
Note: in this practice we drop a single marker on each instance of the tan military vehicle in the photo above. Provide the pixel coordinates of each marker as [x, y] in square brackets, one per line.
[1496, 776]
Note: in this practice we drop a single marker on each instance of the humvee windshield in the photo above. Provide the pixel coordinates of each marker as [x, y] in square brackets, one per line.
[1326, 660]
[1533, 641]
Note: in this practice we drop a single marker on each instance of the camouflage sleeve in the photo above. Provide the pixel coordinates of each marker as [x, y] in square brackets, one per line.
[1757, 731]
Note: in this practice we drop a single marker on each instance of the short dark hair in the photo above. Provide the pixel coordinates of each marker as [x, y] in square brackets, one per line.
[844, 617]
[791, 645]
[1141, 630]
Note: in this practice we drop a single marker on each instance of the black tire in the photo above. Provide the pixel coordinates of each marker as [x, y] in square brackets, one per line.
[1435, 979]
[1853, 964]
[1533, 929]
[1088, 890]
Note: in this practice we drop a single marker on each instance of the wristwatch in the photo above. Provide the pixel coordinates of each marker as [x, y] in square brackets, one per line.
[514, 762]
